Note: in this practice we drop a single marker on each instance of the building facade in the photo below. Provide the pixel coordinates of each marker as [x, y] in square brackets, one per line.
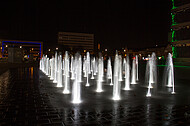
[180, 28]
[30, 49]
[76, 41]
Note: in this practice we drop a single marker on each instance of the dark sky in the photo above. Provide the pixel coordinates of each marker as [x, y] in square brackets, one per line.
[131, 23]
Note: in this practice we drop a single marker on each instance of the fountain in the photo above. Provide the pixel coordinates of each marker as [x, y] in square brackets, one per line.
[109, 71]
[101, 69]
[124, 64]
[120, 68]
[80, 66]
[151, 73]
[169, 72]
[60, 74]
[58, 68]
[55, 70]
[137, 68]
[52, 68]
[87, 67]
[47, 66]
[84, 66]
[116, 85]
[76, 89]
[72, 68]
[96, 66]
[100, 73]
[93, 67]
[127, 74]
[133, 78]
[43, 64]
[66, 74]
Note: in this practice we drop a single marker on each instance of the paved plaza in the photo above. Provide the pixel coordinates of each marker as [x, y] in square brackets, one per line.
[28, 97]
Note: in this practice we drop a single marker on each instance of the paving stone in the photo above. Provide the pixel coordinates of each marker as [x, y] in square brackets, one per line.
[27, 101]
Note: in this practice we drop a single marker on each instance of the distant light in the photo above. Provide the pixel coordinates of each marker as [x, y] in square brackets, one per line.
[56, 48]
[84, 50]
[146, 59]
[125, 54]
[124, 50]
[32, 48]
[20, 46]
[1, 47]
[98, 46]
[48, 49]
[6, 45]
[139, 54]
[106, 50]
[156, 45]
[25, 56]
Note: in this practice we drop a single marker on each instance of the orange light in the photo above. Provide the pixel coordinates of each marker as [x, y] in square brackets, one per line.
[99, 46]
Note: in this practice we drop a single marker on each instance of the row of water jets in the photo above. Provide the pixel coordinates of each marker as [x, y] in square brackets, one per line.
[63, 69]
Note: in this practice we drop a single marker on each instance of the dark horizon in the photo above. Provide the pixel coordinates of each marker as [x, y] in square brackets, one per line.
[115, 24]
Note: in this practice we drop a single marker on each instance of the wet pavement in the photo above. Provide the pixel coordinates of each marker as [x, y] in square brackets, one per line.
[28, 97]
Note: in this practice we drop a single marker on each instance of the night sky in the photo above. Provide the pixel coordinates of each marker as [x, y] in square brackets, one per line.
[131, 23]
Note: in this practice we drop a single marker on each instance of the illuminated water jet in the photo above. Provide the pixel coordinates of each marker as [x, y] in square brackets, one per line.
[116, 85]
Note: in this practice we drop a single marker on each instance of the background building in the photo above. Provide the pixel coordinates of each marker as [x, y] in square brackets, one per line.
[25, 49]
[76, 41]
[180, 28]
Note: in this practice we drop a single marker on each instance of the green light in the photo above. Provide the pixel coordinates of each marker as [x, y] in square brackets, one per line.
[173, 6]
[173, 19]
[173, 35]
[174, 52]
